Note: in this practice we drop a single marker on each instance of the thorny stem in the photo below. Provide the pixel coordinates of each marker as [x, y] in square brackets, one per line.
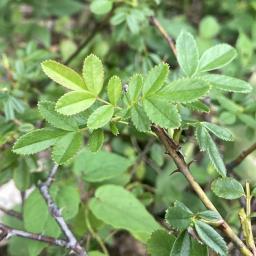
[179, 160]
[184, 169]
[230, 166]
[56, 213]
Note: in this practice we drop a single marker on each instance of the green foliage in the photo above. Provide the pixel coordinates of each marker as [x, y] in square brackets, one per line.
[98, 122]
[227, 188]
[216, 57]
[63, 75]
[211, 238]
[127, 213]
[179, 216]
[187, 53]
[181, 246]
[100, 117]
[160, 243]
[90, 165]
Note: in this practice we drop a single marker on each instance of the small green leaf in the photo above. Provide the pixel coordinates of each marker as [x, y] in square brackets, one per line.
[113, 128]
[184, 90]
[66, 147]
[227, 188]
[63, 75]
[197, 106]
[207, 144]
[74, 102]
[89, 164]
[182, 245]
[218, 131]
[140, 119]
[227, 83]
[211, 238]
[160, 112]
[121, 209]
[22, 176]
[202, 137]
[114, 90]
[160, 243]
[229, 104]
[96, 140]
[37, 140]
[209, 27]
[100, 117]
[179, 216]
[187, 53]
[155, 79]
[135, 88]
[216, 57]
[101, 7]
[248, 120]
[93, 74]
[47, 110]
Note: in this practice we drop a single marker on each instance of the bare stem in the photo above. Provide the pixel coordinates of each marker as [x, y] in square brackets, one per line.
[8, 232]
[11, 213]
[56, 213]
[184, 169]
[230, 166]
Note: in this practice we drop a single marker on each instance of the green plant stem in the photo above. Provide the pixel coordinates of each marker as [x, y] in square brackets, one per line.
[95, 235]
[184, 169]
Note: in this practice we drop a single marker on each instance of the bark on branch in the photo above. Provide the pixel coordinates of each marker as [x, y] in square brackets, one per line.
[72, 242]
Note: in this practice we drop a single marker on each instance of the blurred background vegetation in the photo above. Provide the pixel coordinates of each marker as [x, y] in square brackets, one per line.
[119, 32]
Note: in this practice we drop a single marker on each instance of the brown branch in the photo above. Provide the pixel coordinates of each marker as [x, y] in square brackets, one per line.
[184, 169]
[56, 213]
[179, 160]
[231, 165]
[155, 22]
[11, 213]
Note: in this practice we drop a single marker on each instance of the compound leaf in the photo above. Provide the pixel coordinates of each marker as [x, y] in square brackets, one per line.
[47, 110]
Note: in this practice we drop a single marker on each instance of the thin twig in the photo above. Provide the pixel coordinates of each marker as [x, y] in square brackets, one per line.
[93, 32]
[7, 232]
[154, 21]
[142, 153]
[231, 165]
[56, 213]
[11, 213]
